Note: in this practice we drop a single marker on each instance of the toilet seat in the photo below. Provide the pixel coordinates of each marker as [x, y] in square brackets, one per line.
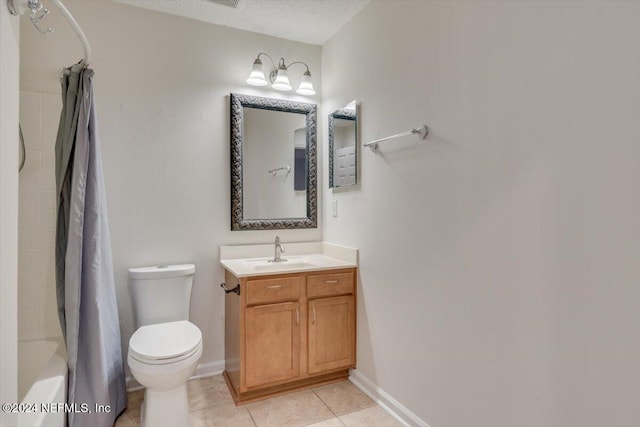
[165, 343]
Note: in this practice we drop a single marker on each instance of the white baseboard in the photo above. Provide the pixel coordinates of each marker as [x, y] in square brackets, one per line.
[203, 370]
[385, 401]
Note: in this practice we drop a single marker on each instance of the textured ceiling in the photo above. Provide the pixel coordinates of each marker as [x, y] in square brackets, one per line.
[307, 21]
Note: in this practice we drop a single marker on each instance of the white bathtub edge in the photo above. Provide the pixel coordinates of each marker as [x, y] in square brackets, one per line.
[49, 387]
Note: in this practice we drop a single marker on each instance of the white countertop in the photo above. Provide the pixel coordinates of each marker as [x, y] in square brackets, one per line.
[254, 260]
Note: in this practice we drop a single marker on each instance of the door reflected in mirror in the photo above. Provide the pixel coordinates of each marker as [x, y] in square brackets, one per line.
[343, 146]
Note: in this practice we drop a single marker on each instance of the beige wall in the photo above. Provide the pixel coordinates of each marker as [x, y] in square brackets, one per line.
[499, 259]
[162, 85]
[9, 82]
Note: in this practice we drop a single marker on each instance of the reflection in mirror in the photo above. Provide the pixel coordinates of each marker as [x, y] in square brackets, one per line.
[273, 164]
[343, 146]
[270, 165]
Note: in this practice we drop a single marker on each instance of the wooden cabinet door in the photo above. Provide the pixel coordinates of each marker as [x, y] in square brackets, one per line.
[272, 343]
[332, 333]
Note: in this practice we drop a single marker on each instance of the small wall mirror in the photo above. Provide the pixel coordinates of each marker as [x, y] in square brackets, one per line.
[273, 164]
[343, 146]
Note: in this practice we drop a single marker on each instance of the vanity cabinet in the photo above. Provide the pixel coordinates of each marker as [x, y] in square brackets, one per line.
[289, 331]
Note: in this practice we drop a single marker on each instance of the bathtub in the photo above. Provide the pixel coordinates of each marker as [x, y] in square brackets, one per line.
[42, 379]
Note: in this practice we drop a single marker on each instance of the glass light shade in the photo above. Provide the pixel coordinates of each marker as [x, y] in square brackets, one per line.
[256, 77]
[306, 88]
[282, 80]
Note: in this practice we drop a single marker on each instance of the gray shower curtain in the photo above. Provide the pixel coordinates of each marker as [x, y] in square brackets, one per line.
[84, 270]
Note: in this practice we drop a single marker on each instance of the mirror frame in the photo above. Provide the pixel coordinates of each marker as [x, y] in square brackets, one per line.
[238, 102]
[345, 115]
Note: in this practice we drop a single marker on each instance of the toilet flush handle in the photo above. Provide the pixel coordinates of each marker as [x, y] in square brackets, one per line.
[235, 290]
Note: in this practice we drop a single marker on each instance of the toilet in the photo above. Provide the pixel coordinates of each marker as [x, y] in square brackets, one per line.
[165, 348]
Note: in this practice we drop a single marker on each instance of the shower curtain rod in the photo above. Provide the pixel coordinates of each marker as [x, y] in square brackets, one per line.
[78, 31]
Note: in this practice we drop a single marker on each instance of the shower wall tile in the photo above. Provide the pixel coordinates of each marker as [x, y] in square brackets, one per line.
[49, 181]
[48, 219]
[50, 121]
[28, 220]
[30, 297]
[29, 239]
[27, 259]
[30, 278]
[30, 180]
[29, 200]
[33, 160]
[29, 320]
[48, 161]
[32, 135]
[30, 120]
[30, 102]
[37, 312]
[47, 199]
[51, 104]
[50, 323]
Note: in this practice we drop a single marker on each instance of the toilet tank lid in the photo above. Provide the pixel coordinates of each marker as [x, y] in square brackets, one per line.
[159, 271]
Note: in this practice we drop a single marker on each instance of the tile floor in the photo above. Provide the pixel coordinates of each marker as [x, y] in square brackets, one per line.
[334, 405]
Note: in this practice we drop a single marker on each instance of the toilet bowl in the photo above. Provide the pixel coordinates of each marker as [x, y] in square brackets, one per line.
[162, 357]
[165, 349]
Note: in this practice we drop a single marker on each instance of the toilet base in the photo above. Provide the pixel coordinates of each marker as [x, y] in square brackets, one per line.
[165, 408]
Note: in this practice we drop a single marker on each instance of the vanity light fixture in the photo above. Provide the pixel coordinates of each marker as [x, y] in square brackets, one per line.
[278, 77]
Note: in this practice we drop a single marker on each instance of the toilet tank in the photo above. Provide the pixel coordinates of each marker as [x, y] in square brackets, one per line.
[161, 293]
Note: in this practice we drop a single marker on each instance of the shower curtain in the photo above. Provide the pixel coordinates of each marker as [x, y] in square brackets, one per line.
[84, 270]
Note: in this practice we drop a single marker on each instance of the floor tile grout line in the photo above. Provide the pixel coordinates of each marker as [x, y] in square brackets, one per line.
[373, 403]
[328, 419]
[251, 416]
[213, 405]
[324, 403]
[312, 393]
[328, 407]
[209, 383]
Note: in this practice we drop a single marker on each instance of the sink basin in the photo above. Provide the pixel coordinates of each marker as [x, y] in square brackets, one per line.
[296, 260]
[289, 264]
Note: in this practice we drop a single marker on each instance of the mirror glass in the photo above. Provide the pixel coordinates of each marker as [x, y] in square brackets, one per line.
[273, 154]
[274, 167]
[343, 146]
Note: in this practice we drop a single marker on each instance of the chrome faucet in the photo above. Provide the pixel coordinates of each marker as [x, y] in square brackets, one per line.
[278, 251]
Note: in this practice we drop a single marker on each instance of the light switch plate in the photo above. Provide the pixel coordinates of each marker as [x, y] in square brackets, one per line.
[335, 208]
